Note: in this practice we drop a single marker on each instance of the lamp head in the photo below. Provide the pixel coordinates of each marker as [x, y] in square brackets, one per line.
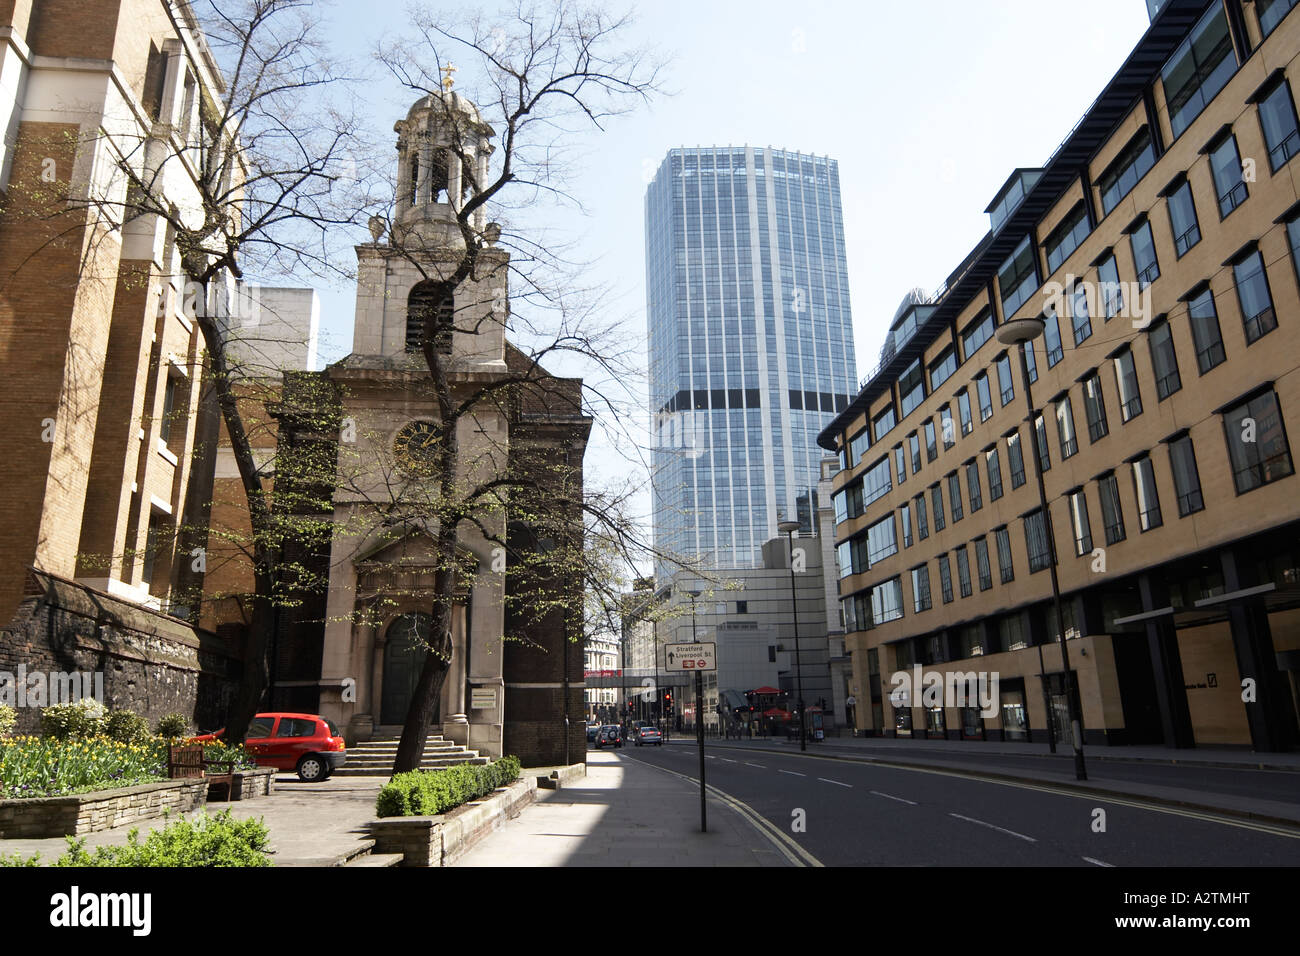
[1019, 331]
[787, 527]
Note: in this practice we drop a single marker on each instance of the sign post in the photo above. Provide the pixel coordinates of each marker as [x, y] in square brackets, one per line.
[697, 657]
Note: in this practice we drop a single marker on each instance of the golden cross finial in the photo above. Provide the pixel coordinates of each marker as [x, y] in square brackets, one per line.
[447, 80]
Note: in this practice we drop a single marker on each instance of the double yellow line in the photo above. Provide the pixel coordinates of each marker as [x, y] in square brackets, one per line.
[785, 844]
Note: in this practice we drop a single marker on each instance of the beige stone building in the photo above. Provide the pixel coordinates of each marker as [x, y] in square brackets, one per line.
[1160, 244]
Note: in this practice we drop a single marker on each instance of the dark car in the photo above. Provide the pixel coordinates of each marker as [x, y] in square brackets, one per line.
[592, 731]
[646, 734]
[610, 735]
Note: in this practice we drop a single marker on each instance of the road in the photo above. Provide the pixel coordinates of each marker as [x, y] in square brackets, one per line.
[862, 815]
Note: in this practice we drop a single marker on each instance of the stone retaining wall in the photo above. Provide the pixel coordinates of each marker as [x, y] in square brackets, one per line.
[83, 813]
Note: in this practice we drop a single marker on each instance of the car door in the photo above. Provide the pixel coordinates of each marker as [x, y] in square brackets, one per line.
[295, 736]
[258, 739]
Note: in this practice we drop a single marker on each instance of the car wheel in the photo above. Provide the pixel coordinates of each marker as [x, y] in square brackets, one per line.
[312, 769]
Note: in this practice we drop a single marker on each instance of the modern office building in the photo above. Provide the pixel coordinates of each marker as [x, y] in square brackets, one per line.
[751, 344]
[1160, 245]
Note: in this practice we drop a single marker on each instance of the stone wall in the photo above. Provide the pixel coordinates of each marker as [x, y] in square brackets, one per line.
[41, 817]
[145, 661]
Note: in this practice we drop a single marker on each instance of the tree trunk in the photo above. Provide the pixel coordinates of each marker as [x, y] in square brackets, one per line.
[437, 662]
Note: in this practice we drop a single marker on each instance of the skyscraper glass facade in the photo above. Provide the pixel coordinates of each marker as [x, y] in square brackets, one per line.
[750, 342]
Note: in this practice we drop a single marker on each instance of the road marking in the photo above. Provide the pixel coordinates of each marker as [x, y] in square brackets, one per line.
[758, 765]
[786, 844]
[836, 782]
[728, 759]
[888, 797]
[992, 827]
[1099, 862]
[794, 773]
[710, 757]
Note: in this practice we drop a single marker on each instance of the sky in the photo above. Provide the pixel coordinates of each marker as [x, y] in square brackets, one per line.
[926, 107]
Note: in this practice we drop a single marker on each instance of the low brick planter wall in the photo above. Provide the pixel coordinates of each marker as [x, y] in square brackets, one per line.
[249, 785]
[40, 817]
[439, 840]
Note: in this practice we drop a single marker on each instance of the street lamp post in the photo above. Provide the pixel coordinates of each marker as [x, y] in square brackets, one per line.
[1021, 332]
[788, 528]
[699, 719]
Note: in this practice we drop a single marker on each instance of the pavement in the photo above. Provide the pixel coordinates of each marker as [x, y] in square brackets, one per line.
[626, 812]
[310, 824]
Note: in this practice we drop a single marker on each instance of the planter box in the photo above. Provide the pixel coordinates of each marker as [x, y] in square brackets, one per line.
[83, 813]
[249, 785]
[439, 840]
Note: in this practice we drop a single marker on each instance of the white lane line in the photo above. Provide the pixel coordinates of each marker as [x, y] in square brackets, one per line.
[794, 773]
[992, 827]
[727, 759]
[758, 765]
[1099, 862]
[889, 797]
[836, 782]
[710, 757]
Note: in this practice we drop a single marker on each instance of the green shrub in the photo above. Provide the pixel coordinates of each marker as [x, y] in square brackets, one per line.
[430, 792]
[202, 841]
[8, 717]
[17, 859]
[85, 718]
[174, 725]
[126, 727]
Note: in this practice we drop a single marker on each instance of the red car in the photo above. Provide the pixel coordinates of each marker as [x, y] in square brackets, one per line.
[308, 744]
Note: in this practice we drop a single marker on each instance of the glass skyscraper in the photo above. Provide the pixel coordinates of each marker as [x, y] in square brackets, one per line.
[750, 340]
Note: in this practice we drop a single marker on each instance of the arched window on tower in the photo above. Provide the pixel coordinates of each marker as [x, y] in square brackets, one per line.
[415, 179]
[438, 177]
[430, 297]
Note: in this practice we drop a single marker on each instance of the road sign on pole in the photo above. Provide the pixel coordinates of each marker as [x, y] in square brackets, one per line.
[691, 657]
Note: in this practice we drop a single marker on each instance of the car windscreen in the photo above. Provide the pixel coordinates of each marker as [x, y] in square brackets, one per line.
[260, 727]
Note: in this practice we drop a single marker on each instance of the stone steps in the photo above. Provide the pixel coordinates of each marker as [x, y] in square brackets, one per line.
[377, 859]
[375, 757]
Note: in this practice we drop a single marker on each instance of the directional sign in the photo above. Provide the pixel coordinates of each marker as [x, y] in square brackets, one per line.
[691, 657]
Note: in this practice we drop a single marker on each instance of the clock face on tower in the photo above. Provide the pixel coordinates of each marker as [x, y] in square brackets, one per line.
[416, 447]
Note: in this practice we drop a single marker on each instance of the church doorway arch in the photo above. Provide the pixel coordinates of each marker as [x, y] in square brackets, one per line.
[404, 653]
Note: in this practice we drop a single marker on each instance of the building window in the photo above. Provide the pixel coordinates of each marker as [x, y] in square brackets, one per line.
[1094, 406]
[1144, 254]
[1052, 339]
[1018, 278]
[1080, 318]
[1164, 361]
[1006, 385]
[858, 446]
[942, 368]
[973, 489]
[157, 554]
[742, 607]
[1225, 167]
[963, 571]
[994, 468]
[947, 429]
[1271, 13]
[982, 567]
[1112, 295]
[883, 423]
[1112, 515]
[1198, 69]
[985, 396]
[1182, 219]
[1016, 459]
[1126, 171]
[914, 448]
[1204, 320]
[1002, 537]
[882, 541]
[964, 413]
[911, 388]
[1278, 120]
[1130, 399]
[931, 447]
[1065, 428]
[1293, 239]
[1036, 542]
[887, 601]
[936, 507]
[1257, 443]
[1187, 481]
[922, 526]
[170, 411]
[848, 501]
[945, 578]
[436, 300]
[1065, 238]
[844, 557]
[954, 496]
[921, 600]
[1148, 499]
[905, 519]
[977, 333]
[1031, 361]
[900, 464]
[1078, 503]
[1254, 296]
[1044, 454]
[875, 482]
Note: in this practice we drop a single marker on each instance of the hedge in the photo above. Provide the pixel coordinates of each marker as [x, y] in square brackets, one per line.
[430, 792]
[201, 841]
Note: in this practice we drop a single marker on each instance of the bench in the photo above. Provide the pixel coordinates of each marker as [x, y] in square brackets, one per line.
[185, 761]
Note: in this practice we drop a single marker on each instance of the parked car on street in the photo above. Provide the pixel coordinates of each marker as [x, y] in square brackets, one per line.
[610, 736]
[308, 744]
[646, 734]
[592, 731]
